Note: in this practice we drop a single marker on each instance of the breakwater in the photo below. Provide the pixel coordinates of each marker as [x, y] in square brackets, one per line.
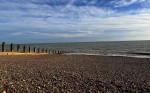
[25, 49]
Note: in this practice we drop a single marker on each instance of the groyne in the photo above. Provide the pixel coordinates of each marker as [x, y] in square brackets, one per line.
[27, 50]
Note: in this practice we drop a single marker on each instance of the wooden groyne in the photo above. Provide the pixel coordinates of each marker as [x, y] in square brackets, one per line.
[27, 50]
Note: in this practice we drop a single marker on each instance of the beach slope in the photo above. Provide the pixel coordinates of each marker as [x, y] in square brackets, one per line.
[74, 74]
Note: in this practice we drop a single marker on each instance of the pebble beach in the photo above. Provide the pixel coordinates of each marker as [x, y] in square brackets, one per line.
[73, 74]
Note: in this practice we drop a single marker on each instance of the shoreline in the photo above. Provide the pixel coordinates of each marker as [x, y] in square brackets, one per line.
[111, 55]
[16, 53]
[74, 54]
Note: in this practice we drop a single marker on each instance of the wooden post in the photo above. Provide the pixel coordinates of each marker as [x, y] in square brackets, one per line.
[3, 47]
[11, 47]
[18, 48]
[38, 50]
[49, 51]
[34, 50]
[24, 49]
[46, 51]
[43, 50]
[29, 49]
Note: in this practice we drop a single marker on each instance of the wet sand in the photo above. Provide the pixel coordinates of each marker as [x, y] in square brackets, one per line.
[73, 74]
[16, 53]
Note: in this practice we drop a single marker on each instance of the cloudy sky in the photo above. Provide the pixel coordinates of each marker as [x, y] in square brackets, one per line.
[27, 21]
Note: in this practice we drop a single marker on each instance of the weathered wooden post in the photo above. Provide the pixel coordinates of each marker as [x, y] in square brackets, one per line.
[18, 48]
[38, 50]
[46, 51]
[34, 50]
[29, 49]
[11, 47]
[43, 50]
[49, 51]
[24, 49]
[3, 47]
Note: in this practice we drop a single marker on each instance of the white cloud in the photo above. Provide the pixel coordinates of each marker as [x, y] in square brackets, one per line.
[70, 3]
[123, 3]
[142, 0]
[59, 35]
[46, 21]
[133, 26]
[15, 10]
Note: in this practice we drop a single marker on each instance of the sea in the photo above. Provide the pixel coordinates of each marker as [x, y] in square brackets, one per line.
[140, 49]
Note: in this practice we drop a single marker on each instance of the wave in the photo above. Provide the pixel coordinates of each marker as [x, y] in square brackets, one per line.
[139, 55]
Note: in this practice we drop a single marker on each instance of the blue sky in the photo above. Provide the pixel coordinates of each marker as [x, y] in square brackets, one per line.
[29, 21]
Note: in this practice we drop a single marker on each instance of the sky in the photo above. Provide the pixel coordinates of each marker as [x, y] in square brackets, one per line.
[40, 21]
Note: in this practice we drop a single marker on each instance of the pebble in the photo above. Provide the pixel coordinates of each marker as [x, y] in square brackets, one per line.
[74, 74]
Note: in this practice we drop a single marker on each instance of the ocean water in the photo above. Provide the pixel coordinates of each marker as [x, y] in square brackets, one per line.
[117, 48]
